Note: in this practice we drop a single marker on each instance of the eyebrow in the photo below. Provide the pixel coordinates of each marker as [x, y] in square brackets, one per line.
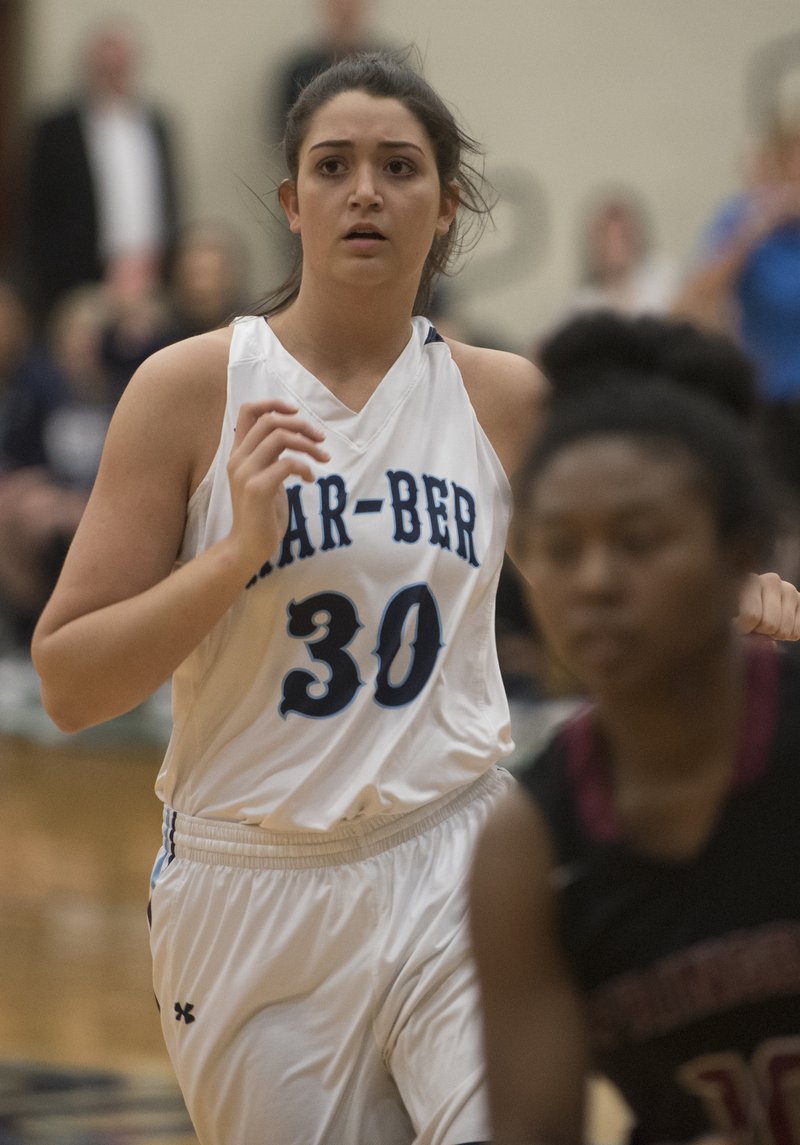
[630, 512]
[387, 144]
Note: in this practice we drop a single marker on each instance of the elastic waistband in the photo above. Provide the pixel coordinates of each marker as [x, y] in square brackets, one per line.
[240, 845]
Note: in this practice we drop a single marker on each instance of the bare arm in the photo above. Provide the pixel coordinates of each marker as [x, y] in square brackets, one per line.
[120, 620]
[533, 1026]
[507, 393]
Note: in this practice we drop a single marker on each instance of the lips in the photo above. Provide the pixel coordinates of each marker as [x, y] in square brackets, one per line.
[601, 643]
[365, 232]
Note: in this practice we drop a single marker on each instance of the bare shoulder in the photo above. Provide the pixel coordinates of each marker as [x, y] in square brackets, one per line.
[516, 833]
[178, 395]
[161, 441]
[507, 392]
[197, 365]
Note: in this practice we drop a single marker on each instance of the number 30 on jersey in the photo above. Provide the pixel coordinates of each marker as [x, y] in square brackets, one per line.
[328, 622]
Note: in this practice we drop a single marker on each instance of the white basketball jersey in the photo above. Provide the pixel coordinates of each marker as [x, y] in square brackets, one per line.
[356, 674]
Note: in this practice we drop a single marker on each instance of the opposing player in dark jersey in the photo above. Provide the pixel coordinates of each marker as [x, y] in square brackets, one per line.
[636, 902]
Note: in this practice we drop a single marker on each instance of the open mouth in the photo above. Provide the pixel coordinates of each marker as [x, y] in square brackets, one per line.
[365, 236]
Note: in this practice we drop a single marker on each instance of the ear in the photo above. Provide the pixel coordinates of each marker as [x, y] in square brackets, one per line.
[448, 207]
[287, 197]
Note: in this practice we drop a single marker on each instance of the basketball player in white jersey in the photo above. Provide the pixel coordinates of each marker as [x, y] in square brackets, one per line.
[302, 518]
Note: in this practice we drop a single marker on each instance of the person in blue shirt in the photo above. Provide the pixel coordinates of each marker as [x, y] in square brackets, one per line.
[747, 277]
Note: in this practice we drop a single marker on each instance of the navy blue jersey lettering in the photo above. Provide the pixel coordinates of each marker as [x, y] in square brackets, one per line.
[464, 512]
[403, 491]
[332, 502]
[336, 617]
[435, 499]
[296, 530]
[424, 646]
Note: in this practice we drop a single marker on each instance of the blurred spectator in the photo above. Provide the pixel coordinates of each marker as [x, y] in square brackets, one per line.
[137, 324]
[747, 278]
[208, 283]
[101, 195]
[29, 387]
[343, 28]
[56, 405]
[746, 274]
[75, 430]
[206, 286]
[620, 269]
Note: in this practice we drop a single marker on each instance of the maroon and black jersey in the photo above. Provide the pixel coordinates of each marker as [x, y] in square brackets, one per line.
[691, 968]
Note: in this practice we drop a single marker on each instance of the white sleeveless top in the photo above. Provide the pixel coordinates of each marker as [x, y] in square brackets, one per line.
[356, 674]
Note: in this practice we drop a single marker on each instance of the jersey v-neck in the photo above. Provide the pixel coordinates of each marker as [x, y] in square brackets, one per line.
[314, 397]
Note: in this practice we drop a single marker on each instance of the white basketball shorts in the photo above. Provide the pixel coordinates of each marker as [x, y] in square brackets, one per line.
[318, 989]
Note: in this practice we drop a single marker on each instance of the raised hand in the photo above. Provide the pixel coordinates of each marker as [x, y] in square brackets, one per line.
[270, 442]
[769, 606]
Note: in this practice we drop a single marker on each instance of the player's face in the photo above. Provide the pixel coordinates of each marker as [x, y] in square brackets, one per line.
[368, 200]
[628, 578]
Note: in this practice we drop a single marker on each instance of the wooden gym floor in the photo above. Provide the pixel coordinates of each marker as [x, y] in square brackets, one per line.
[81, 1055]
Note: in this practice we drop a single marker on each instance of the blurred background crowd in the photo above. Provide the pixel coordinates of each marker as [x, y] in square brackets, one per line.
[645, 159]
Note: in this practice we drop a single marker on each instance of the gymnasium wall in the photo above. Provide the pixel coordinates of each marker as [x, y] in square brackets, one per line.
[566, 95]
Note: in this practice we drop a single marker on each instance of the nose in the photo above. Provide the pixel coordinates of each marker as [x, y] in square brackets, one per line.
[364, 191]
[597, 572]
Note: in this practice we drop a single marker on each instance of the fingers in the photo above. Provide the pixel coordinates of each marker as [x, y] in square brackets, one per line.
[750, 605]
[250, 413]
[789, 628]
[276, 442]
[262, 475]
[265, 430]
[769, 606]
[272, 442]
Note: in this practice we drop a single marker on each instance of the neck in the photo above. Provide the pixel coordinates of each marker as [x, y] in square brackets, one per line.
[343, 327]
[670, 731]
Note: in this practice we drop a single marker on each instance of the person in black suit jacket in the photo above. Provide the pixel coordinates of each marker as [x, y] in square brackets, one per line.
[343, 30]
[102, 196]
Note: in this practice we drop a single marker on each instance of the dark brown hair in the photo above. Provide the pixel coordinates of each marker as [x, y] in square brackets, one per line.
[387, 76]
